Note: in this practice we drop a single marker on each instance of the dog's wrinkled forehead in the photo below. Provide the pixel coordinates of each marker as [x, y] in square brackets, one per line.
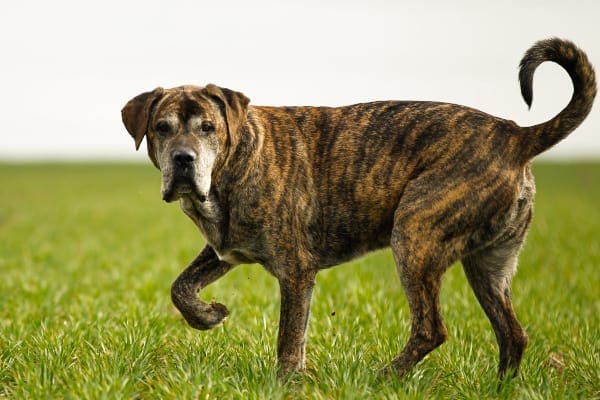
[185, 102]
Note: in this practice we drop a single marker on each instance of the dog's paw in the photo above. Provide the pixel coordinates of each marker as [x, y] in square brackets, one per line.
[387, 371]
[393, 369]
[207, 316]
[288, 369]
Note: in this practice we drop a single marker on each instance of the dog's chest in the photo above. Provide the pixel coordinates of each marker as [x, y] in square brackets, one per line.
[235, 256]
[208, 218]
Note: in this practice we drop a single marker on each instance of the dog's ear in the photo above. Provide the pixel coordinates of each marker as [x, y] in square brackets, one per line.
[235, 106]
[136, 114]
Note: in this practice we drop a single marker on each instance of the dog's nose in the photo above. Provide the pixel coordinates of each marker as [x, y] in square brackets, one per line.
[183, 156]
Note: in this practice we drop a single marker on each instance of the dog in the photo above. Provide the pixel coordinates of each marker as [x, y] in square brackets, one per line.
[300, 189]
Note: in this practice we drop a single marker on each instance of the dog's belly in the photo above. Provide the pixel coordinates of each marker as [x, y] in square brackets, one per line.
[357, 210]
[341, 249]
[352, 229]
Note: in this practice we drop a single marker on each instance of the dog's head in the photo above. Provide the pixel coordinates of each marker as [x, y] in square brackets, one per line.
[189, 130]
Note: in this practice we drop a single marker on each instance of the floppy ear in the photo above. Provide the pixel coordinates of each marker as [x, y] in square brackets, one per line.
[235, 106]
[136, 114]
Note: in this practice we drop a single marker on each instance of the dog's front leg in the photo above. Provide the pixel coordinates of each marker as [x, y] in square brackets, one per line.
[296, 293]
[205, 269]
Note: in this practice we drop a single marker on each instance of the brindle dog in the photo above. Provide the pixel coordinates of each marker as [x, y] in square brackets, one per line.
[299, 189]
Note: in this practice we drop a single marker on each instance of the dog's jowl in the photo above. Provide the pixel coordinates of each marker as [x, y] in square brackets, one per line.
[299, 189]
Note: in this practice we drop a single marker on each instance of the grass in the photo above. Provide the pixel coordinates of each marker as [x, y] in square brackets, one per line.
[88, 252]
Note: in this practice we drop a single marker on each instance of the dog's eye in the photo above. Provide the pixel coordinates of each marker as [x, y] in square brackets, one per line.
[163, 128]
[207, 127]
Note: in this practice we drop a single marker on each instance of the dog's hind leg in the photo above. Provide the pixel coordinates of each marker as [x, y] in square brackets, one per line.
[490, 272]
[206, 268]
[421, 266]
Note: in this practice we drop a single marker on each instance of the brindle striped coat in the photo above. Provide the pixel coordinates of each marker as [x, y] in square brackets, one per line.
[299, 189]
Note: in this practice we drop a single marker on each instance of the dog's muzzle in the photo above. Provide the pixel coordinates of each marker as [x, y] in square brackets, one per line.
[182, 182]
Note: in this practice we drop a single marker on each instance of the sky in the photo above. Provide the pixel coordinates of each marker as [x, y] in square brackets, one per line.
[68, 67]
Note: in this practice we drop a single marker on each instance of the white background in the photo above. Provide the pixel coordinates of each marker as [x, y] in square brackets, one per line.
[67, 67]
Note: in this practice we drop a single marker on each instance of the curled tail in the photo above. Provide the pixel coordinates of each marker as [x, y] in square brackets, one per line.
[563, 52]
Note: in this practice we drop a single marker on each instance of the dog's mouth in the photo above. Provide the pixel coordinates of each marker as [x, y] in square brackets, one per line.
[180, 186]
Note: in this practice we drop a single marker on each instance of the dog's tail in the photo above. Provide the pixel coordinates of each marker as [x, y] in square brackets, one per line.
[563, 52]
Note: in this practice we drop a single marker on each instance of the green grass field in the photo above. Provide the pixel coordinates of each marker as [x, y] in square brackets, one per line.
[88, 253]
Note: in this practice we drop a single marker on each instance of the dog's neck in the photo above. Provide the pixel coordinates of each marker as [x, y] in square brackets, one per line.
[243, 164]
